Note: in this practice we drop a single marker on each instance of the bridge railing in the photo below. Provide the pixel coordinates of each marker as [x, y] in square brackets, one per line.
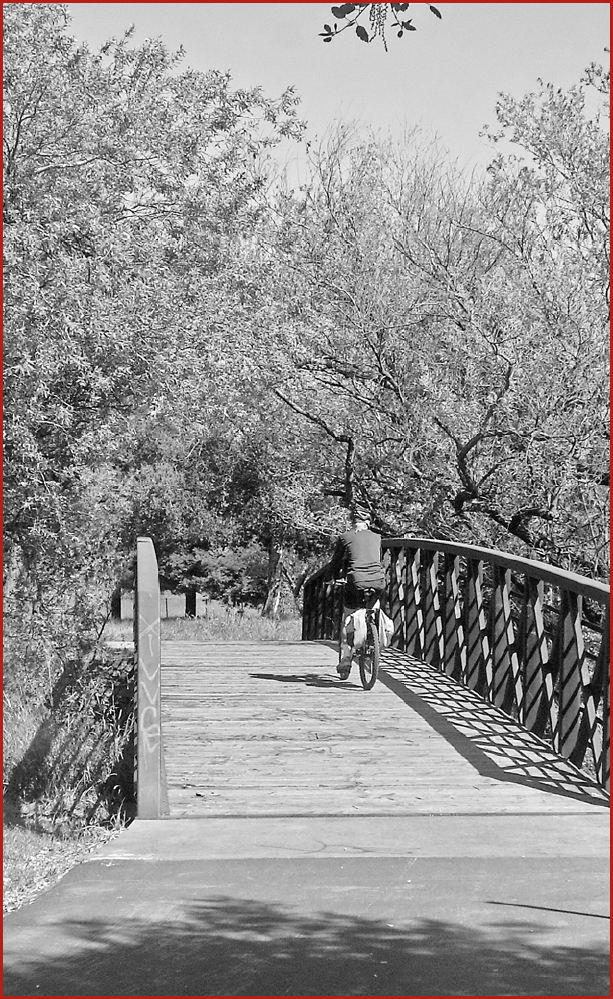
[530, 638]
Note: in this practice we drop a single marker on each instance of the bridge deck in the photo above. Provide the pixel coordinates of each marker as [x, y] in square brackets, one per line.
[327, 841]
[268, 729]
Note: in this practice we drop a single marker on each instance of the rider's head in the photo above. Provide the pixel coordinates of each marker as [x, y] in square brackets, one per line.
[360, 518]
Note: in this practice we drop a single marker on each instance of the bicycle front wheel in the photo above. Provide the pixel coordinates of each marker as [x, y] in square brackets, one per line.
[370, 657]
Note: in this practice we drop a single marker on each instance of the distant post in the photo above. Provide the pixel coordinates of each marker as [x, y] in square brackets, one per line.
[190, 602]
[116, 604]
[151, 795]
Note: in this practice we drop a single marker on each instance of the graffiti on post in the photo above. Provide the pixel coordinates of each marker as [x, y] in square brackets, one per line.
[150, 783]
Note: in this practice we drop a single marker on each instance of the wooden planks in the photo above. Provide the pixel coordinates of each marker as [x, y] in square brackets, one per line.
[268, 729]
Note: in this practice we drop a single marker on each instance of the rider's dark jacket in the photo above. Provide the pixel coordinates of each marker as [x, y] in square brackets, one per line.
[358, 554]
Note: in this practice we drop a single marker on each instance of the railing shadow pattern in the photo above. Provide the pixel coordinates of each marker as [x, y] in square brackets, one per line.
[531, 639]
[493, 743]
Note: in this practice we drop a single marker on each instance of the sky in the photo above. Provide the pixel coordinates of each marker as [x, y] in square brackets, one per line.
[444, 77]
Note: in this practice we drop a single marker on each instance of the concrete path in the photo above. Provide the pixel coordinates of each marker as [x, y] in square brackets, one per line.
[441, 905]
[417, 890]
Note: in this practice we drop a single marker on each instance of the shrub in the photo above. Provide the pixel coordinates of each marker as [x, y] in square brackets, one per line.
[78, 767]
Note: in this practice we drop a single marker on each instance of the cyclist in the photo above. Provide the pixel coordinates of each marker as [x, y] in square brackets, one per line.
[357, 555]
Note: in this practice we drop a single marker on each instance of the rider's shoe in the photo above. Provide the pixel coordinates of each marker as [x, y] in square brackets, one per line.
[344, 669]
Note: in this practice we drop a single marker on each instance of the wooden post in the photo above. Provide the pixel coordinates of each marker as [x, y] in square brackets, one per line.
[504, 679]
[477, 644]
[190, 602]
[571, 668]
[538, 712]
[454, 639]
[433, 624]
[413, 613]
[602, 689]
[306, 612]
[395, 587]
[116, 604]
[604, 767]
[151, 795]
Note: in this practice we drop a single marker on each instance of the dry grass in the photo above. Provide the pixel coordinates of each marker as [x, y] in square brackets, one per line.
[34, 861]
[219, 625]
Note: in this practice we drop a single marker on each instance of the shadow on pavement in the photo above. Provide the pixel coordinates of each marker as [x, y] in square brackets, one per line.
[246, 948]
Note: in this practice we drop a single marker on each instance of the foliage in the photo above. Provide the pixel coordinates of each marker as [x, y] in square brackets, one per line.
[121, 175]
[453, 332]
[79, 764]
[197, 356]
[239, 575]
[378, 13]
[126, 183]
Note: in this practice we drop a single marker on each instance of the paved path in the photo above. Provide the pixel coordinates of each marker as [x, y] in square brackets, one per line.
[329, 841]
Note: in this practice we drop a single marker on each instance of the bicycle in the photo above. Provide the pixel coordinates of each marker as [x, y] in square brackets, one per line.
[369, 655]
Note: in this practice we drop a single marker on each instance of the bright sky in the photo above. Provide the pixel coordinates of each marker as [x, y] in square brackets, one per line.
[445, 76]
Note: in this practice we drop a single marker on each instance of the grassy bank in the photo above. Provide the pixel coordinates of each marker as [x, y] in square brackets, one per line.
[35, 860]
[39, 850]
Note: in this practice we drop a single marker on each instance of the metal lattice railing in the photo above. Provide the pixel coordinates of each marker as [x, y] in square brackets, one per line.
[530, 638]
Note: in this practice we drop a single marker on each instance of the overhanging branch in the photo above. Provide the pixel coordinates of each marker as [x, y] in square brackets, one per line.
[346, 494]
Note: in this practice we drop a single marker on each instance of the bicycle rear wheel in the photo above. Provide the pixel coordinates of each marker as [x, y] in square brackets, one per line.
[370, 657]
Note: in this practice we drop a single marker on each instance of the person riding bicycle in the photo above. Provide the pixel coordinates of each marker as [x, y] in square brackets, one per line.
[358, 555]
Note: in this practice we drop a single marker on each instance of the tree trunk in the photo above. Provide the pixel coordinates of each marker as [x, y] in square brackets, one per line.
[10, 574]
[295, 585]
[275, 582]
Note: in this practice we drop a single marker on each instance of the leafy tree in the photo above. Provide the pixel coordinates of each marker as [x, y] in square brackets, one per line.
[454, 333]
[352, 15]
[125, 183]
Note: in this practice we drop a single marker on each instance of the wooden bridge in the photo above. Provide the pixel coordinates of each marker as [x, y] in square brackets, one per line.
[445, 833]
[494, 698]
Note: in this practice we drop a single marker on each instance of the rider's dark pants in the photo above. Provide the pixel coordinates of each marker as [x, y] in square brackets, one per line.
[362, 596]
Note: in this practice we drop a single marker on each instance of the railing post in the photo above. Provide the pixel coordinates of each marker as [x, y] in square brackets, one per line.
[320, 613]
[337, 616]
[306, 611]
[477, 645]
[454, 637]
[571, 680]
[538, 711]
[151, 795]
[604, 682]
[414, 615]
[329, 605]
[395, 562]
[504, 679]
[433, 624]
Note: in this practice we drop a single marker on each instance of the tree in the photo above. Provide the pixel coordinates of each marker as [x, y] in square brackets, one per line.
[125, 183]
[455, 332]
[351, 14]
